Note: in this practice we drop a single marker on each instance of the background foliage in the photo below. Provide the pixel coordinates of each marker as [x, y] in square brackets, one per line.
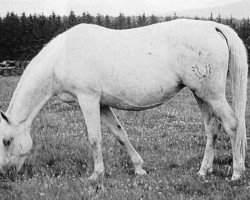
[22, 37]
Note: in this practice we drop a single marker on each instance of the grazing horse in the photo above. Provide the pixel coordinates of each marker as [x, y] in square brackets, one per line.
[135, 69]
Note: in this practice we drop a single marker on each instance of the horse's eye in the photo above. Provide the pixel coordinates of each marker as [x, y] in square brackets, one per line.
[7, 142]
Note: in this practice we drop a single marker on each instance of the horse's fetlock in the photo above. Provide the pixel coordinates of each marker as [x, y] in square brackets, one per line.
[93, 143]
[137, 161]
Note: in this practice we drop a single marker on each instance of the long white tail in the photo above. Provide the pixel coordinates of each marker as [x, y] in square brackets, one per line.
[238, 68]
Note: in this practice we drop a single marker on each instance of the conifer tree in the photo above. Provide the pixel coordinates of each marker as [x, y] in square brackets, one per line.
[89, 19]
[142, 20]
[211, 18]
[72, 21]
[120, 22]
[107, 22]
[153, 19]
[128, 23]
[99, 20]
[218, 19]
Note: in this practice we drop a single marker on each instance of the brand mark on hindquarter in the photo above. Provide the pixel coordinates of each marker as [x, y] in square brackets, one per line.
[202, 72]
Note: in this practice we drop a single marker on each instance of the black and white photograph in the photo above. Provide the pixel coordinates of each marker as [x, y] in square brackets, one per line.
[124, 99]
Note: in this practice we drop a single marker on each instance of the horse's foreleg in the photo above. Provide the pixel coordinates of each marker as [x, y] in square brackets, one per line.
[90, 106]
[111, 121]
[212, 127]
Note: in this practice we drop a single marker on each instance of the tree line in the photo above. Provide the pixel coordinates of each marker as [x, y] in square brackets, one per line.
[22, 37]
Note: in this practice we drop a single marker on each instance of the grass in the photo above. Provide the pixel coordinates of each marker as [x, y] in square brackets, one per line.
[170, 139]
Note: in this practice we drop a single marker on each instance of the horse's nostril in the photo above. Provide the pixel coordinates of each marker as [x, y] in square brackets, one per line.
[7, 142]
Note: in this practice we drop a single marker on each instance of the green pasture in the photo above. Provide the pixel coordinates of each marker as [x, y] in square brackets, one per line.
[170, 139]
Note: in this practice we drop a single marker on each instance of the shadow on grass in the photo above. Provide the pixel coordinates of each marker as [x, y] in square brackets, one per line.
[192, 163]
[223, 160]
[127, 165]
[6, 180]
[5, 186]
[192, 188]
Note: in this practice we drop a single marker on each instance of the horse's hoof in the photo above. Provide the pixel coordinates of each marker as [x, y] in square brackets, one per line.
[95, 177]
[210, 171]
[202, 175]
[140, 172]
[236, 176]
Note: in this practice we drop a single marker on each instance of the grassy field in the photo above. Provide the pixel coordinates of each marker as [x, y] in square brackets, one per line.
[170, 139]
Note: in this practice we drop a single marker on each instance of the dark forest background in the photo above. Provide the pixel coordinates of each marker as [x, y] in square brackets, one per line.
[22, 37]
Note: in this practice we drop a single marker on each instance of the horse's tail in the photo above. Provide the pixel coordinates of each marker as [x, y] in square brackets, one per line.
[238, 68]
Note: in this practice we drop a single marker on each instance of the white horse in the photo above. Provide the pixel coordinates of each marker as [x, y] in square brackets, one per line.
[134, 69]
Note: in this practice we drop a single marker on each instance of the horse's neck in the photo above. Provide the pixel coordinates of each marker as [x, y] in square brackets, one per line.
[32, 92]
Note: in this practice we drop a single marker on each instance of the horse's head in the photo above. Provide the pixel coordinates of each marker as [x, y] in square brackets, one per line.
[15, 144]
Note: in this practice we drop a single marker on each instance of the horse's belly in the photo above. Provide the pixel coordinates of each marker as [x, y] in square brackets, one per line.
[139, 98]
[122, 104]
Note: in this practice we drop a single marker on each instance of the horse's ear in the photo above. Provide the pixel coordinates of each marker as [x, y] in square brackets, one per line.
[5, 117]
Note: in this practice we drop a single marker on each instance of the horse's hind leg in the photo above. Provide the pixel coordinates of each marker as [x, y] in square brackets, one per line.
[111, 121]
[90, 106]
[221, 109]
[212, 127]
[224, 112]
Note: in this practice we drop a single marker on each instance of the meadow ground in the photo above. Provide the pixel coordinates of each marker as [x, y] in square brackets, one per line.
[170, 139]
